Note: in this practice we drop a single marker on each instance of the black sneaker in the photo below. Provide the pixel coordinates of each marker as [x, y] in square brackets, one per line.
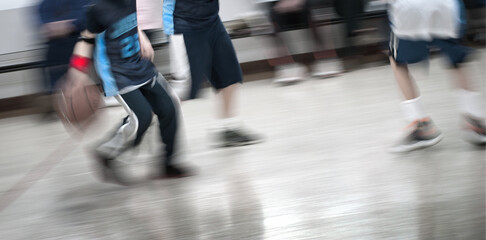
[172, 171]
[423, 133]
[237, 137]
[474, 131]
[107, 170]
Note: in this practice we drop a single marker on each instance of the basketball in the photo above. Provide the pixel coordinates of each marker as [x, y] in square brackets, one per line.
[77, 101]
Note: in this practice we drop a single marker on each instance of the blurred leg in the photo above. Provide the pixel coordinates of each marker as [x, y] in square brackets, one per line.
[281, 54]
[470, 101]
[199, 55]
[226, 77]
[421, 131]
[405, 82]
[131, 132]
[229, 103]
[179, 66]
[165, 107]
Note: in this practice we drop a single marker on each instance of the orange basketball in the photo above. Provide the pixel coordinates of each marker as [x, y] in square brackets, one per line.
[77, 102]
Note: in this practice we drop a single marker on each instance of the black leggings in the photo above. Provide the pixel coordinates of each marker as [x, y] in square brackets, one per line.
[153, 98]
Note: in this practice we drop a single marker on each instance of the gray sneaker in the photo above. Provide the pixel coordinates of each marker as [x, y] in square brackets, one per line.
[423, 133]
[474, 131]
[238, 137]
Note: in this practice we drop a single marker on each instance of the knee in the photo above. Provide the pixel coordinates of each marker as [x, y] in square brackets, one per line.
[144, 119]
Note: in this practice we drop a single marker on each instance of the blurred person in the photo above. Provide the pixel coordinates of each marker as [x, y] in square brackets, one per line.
[61, 21]
[349, 10]
[288, 15]
[355, 30]
[123, 59]
[476, 31]
[149, 20]
[416, 26]
[211, 57]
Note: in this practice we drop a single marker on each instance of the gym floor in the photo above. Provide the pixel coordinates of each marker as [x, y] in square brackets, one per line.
[323, 171]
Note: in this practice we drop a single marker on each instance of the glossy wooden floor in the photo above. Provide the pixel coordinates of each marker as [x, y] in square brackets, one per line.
[322, 173]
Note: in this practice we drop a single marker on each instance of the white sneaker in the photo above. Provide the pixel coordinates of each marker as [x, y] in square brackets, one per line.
[326, 68]
[290, 74]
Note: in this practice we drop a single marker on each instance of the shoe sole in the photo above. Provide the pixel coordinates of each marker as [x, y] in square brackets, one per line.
[240, 144]
[159, 178]
[326, 74]
[416, 146]
[473, 138]
[178, 176]
[288, 81]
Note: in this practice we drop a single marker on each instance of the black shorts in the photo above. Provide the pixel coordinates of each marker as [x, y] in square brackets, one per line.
[290, 20]
[212, 57]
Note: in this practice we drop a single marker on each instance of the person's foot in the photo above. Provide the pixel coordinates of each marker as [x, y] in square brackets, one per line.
[238, 137]
[421, 133]
[173, 171]
[326, 68]
[107, 170]
[289, 74]
[474, 130]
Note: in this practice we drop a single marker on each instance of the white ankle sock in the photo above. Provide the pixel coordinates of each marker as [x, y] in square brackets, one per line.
[412, 109]
[471, 103]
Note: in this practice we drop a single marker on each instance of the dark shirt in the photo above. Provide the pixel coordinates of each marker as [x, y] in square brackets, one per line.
[182, 16]
[117, 55]
[58, 10]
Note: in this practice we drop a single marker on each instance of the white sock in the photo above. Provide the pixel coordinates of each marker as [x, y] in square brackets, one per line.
[412, 109]
[471, 103]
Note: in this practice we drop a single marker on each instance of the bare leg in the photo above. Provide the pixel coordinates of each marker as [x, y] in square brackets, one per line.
[472, 107]
[462, 80]
[404, 80]
[421, 132]
[228, 97]
[470, 101]
[280, 54]
[233, 134]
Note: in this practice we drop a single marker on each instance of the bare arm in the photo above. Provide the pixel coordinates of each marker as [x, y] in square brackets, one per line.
[146, 50]
[77, 74]
[83, 48]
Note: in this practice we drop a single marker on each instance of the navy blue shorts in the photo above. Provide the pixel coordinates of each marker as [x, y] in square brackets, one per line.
[212, 57]
[413, 51]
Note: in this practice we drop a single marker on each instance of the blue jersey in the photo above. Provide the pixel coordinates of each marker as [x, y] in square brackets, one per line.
[117, 54]
[182, 16]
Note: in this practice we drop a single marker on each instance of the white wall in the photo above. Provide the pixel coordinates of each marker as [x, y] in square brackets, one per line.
[19, 27]
[18, 21]
[12, 4]
[232, 9]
